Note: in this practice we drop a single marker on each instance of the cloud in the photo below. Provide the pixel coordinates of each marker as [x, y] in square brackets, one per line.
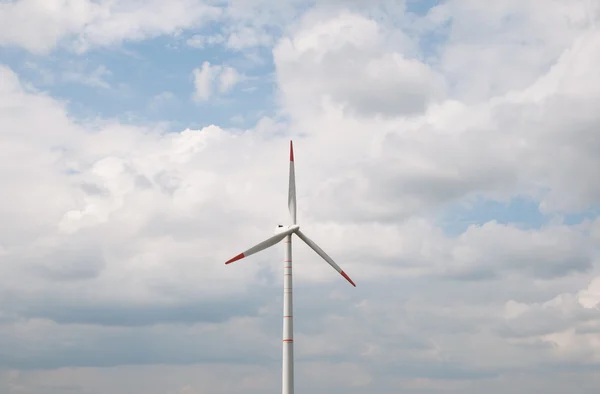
[153, 205]
[205, 77]
[203, 80]
[228, 78]
[39, 25]
[113, 235]
[448, 149]
[566, 326]
[590, 296]
[96, 78]
[246, 37]
[345, 59]
[162, 99]
[200, 41]
[506, 46]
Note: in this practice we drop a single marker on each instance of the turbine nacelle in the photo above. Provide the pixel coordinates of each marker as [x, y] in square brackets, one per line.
[285, 229]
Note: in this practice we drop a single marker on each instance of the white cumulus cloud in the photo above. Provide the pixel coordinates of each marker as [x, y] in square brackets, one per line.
[206, 77]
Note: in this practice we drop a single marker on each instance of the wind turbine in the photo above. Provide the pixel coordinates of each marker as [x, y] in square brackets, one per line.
[281, 232]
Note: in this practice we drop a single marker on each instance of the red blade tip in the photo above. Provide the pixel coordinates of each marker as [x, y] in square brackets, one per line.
[347, 278]
[236, 258]
[291, 151]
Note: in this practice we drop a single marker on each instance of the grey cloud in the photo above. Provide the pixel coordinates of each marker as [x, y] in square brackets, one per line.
[75, 259]
[489, 252]
[131, 349]
[142, 182]
[442, 371]
[104, 314]
[400, 97]
[66, 265]
[554, 251]
[494, 149]
[417, 325]
[168, 182]
[375, 82]
[93, 189]
[200, 379]
[472, 274]
[557, 315]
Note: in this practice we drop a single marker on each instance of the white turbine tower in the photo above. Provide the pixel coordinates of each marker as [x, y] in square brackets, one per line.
[287, 376]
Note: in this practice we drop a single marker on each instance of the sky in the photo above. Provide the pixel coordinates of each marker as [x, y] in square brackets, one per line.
[447, 158]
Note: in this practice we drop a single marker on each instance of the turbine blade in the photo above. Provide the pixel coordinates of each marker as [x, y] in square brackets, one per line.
[322, 253]
[261, 246]
[292, 186]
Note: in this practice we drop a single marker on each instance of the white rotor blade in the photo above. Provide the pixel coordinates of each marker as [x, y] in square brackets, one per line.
[261, 246]
[322, 253]
[292, 186]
